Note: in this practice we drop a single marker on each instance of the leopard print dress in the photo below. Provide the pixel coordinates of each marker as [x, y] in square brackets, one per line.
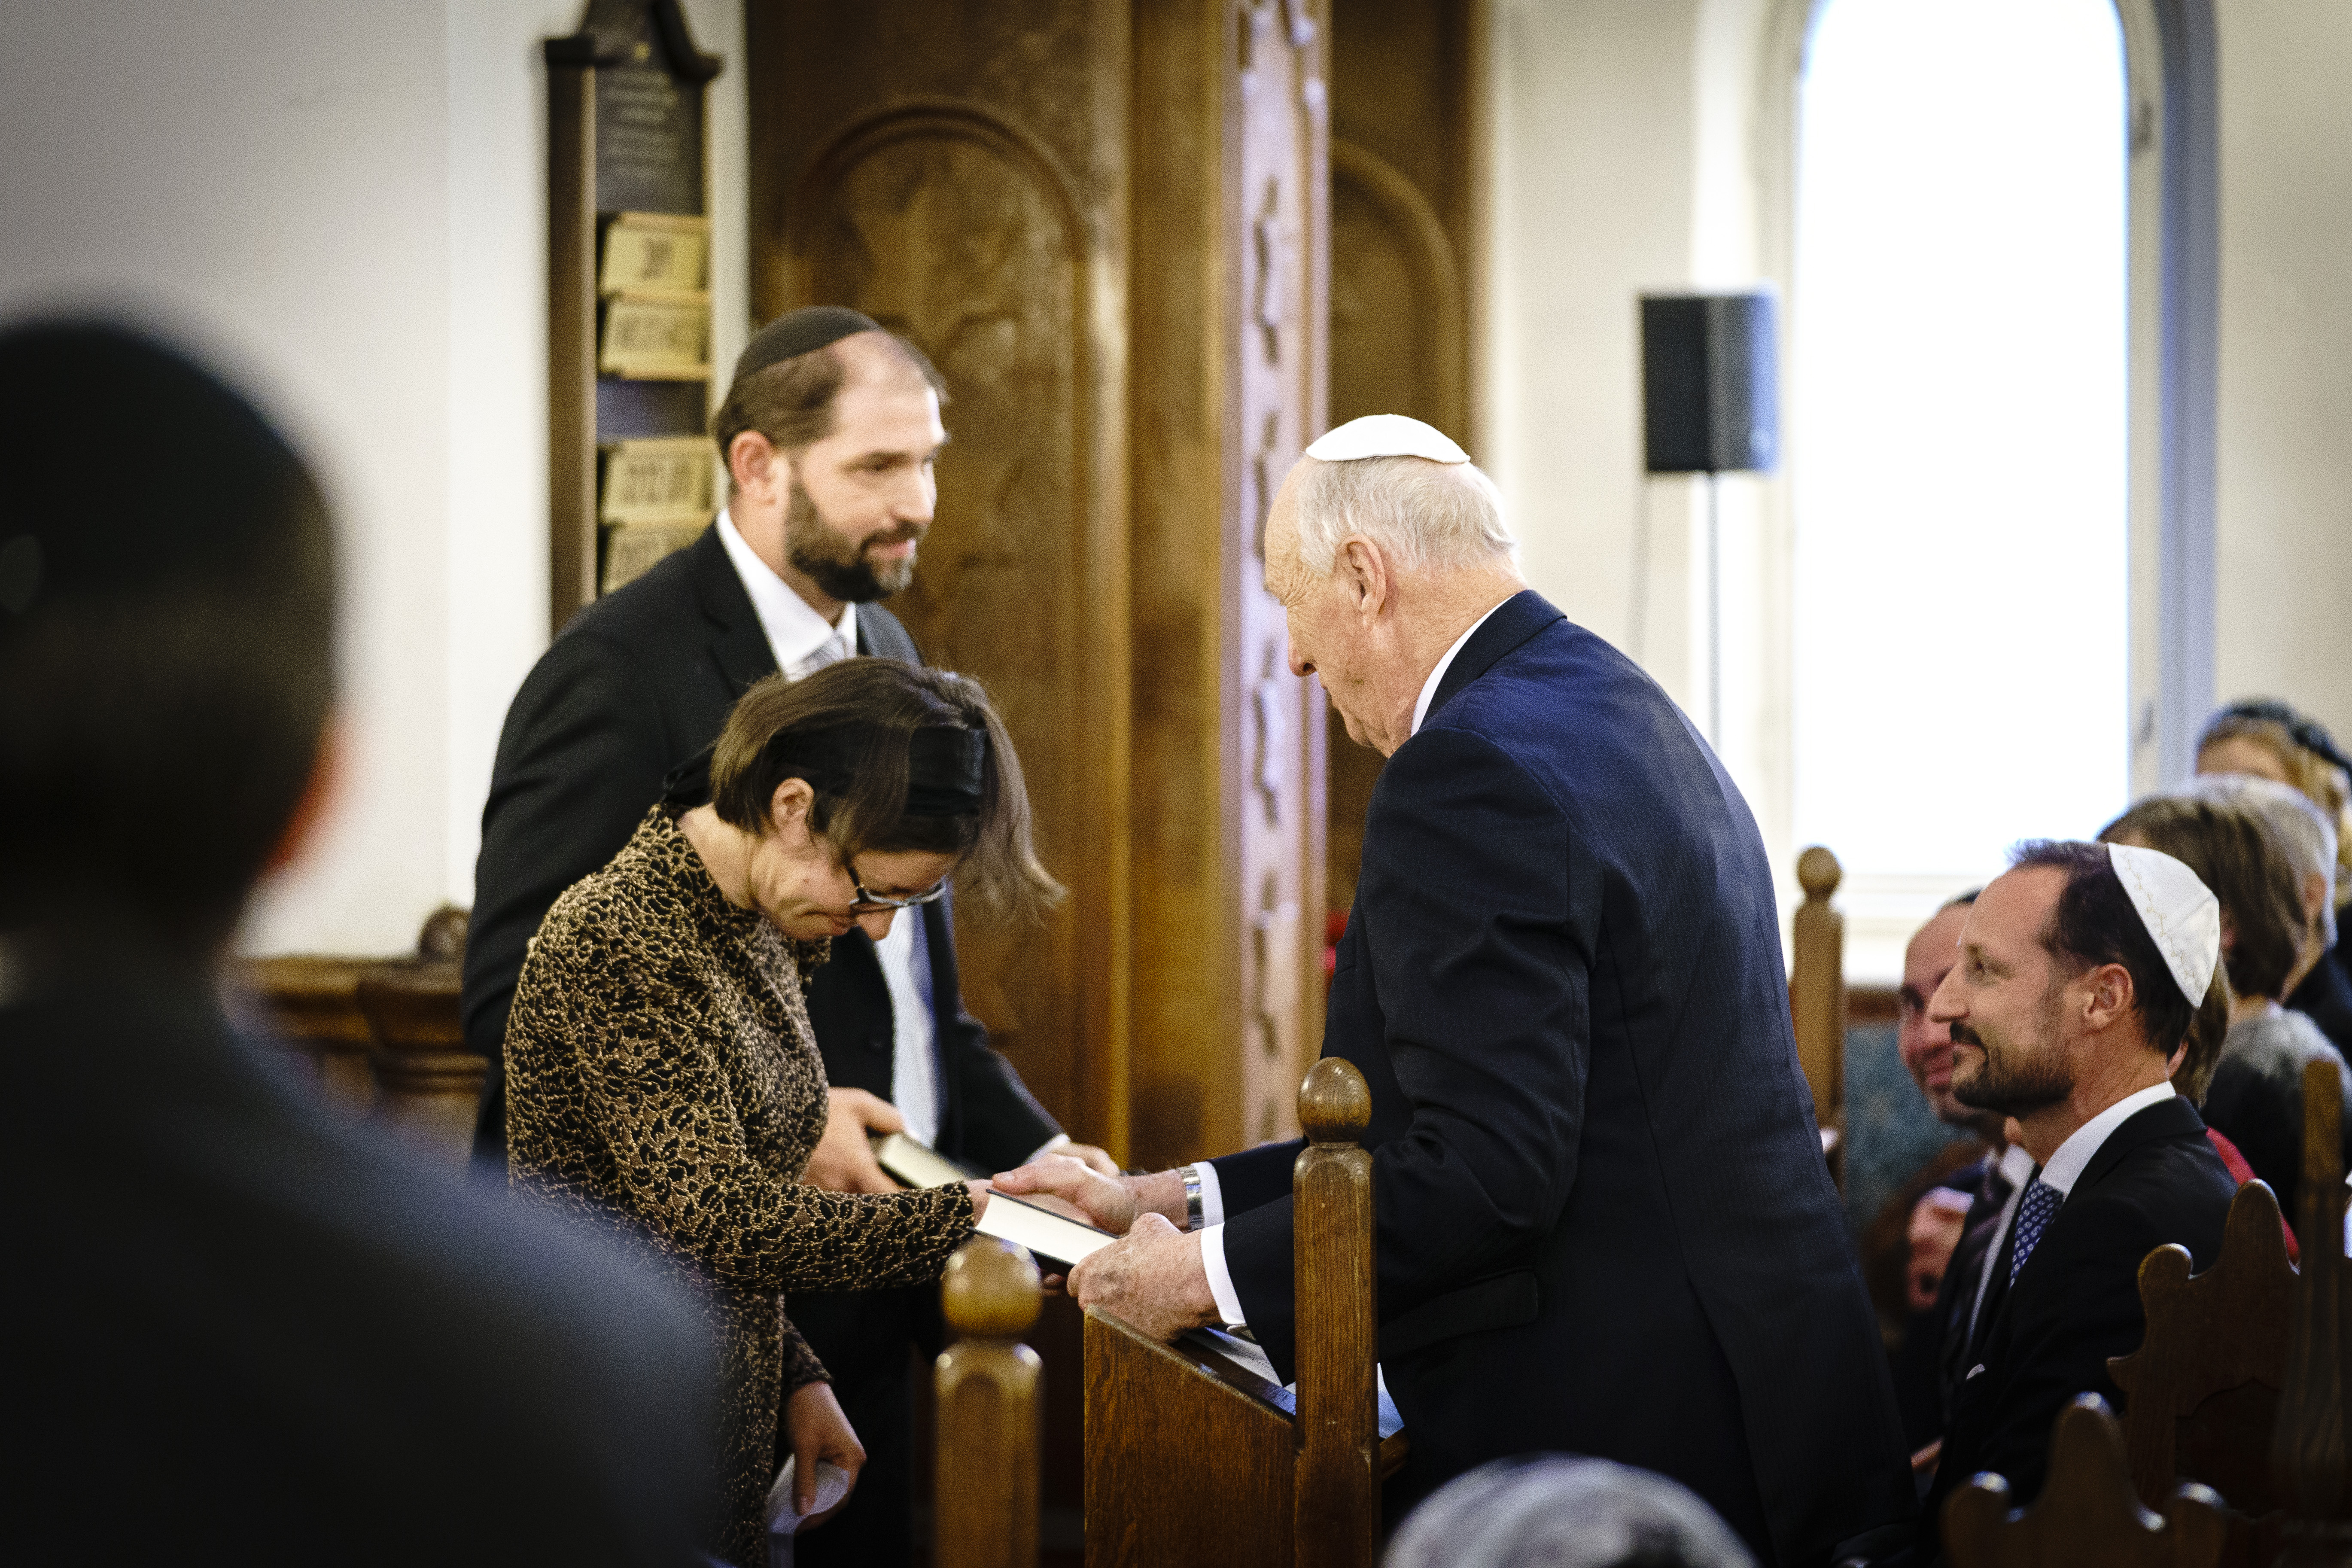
[664, 1089]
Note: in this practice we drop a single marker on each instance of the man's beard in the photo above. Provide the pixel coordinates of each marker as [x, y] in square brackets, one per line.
[2013, 1083]
[837, 566]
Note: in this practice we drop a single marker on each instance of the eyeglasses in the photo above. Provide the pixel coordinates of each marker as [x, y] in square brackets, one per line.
[867, 904]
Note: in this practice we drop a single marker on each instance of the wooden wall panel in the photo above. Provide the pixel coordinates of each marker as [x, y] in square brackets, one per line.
[953, 172]
[1404, 181]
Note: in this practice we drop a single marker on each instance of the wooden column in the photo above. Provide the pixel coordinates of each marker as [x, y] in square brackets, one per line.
[1406, 163]
[958, 174]
[1336, 1505]
[986, 1515]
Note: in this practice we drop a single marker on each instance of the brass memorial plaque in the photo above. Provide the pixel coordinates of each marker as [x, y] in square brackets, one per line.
[656, 253]
[664, 481]
[631, 549]
[655, 339]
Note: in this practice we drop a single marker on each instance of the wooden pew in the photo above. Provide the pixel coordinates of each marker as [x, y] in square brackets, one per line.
[1192, 1458]
[381, 1035]
[987, 1386]
[1817, 999]
[2309, 1451]
[2087, 1513]
[2201, 1393]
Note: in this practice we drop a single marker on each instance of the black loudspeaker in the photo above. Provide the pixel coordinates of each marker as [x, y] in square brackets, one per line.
[1707, 383]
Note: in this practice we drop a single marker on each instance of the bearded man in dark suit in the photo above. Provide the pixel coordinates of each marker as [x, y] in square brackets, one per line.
[2087, 988]
[1603, 1221]
[829, 432]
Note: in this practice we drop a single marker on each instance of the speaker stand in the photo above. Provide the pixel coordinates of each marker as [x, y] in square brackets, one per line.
[1713, 617]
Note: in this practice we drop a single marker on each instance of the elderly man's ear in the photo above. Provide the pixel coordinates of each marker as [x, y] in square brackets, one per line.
[1364, 573]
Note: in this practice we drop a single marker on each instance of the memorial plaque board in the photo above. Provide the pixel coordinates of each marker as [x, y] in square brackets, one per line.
[655, 338]
[648, 140]
[631, 549]
[664, 481]
[656, 253]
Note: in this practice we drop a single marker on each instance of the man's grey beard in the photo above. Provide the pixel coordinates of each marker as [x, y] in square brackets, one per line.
[2014, 1086]
[836, 565]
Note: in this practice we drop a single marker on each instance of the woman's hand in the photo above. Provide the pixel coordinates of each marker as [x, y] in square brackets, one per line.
[1108, 1203]
[820, 1432]
[978, 1190]
[843, 1159]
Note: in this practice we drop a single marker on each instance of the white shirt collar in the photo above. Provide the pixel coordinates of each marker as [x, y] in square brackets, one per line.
[794, 630]
[1428, 686]
[2065, 1166]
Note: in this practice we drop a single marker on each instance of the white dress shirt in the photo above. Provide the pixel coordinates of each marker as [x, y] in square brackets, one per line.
[796, 634]
[1212, 1207]
[2065, 1169]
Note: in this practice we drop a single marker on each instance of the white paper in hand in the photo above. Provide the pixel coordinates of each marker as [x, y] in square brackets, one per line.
[831, 1486]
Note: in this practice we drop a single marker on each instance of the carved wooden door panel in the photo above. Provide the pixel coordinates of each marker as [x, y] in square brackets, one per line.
[1280, 226]
[938, 168]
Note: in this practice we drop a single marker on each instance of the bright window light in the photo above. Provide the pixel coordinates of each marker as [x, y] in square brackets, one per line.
[1958, 435]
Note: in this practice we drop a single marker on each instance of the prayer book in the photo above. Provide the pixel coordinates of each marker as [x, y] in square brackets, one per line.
[1053, 1238]
[917, 1164]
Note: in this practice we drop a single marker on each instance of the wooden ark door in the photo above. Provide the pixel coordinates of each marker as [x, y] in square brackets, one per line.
[1404, 184]
[1105, 222]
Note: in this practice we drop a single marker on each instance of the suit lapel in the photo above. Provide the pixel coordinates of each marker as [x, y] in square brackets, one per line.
[2174, 1118]
[1515, 620]
[737, 642]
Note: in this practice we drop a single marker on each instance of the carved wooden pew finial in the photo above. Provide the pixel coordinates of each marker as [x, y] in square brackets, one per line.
[1336, 1509]
[986, 1513]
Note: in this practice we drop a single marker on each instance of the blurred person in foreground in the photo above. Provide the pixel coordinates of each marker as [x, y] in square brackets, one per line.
[1556, 1511]
[2317, 988]
[245, 1331]
[2089, 980]
[2267, 738]
[2255, 1096]
[663, 1086]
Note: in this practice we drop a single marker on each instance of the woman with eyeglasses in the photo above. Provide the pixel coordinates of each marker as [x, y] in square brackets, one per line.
[665, 1086]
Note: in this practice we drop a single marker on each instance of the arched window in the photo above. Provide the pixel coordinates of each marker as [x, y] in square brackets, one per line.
[1959, 435]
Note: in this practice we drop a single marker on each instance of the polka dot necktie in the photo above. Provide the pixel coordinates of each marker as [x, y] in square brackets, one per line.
[2033, 1212]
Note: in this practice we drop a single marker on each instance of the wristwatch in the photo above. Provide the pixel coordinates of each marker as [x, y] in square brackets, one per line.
[1191, 1174]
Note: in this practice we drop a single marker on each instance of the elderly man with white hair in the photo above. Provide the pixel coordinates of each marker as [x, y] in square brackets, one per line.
[1603, 1222]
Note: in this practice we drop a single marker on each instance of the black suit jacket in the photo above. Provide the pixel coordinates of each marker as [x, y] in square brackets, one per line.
[2046, 1336]
[2326, 997]
[1604, 1225]
[246, 1332]
[638, 682]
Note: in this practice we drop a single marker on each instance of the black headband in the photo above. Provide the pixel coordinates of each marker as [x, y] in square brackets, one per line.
[947, 767]
[798, 332]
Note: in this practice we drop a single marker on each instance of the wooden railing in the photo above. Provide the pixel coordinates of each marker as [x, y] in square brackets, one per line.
[1817, 999]
[987, 1383]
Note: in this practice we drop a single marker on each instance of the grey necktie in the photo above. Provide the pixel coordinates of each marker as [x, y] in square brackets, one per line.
[834, 648]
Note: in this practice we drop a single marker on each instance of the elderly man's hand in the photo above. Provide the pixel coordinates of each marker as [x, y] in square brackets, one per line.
[1107, 1202]
[1152, 1278]
[843, 1161]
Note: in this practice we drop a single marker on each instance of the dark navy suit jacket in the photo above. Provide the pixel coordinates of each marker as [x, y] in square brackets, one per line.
[2046, 1336]
[1604, 1225]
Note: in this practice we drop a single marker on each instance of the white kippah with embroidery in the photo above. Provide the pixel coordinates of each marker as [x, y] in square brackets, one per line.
[2180, 912]
[1386, 436]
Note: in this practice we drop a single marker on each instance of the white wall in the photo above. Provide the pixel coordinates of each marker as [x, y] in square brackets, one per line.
[1635, 147]
[2284, 468]
[345, 206]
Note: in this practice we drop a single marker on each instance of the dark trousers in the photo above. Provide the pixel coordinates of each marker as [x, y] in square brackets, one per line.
[862, 1338]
